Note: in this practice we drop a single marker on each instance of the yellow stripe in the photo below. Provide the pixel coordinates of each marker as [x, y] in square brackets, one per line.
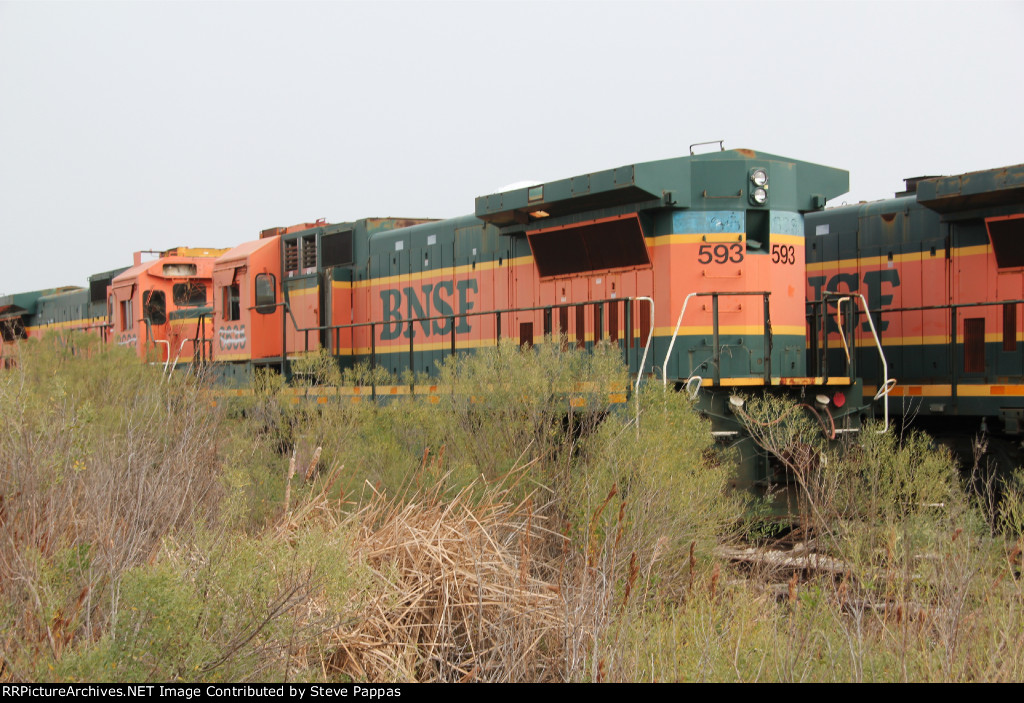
[779, 381]
[979, 250]
[993, 390]
[200, 253]
[70, 324]
[793, 239]
[868, 261]
[959, 252]
[294, 293]
[699, 238]
[190, 321]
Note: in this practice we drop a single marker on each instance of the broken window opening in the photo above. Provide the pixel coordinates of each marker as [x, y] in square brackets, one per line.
[189, 294]
[154, 307]
[232, 303]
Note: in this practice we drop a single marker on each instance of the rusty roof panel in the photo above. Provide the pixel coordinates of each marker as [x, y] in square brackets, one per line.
[967, 191]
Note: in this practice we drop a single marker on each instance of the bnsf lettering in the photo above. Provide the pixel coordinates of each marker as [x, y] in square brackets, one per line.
[873, 281]
[431, 300]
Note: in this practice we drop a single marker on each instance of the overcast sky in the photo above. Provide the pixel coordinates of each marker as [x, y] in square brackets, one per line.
[147, 125]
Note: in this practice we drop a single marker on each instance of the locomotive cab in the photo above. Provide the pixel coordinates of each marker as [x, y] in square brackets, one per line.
[162, 308]
[246, 312]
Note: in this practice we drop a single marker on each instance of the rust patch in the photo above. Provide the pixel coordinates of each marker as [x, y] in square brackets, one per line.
[749, 153]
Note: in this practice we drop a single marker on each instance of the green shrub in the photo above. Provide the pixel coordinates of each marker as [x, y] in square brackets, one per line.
[100, 459]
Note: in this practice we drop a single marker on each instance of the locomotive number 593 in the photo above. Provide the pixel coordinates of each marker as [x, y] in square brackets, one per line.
[720, 253]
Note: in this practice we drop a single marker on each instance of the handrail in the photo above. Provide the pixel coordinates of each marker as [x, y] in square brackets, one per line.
[647, 345]
[168, 345]
[714, 297]
[411, 322]
[643, 360]
[672, 344]
[886, 386]
[920, 308]
[839, 321]
[176, 356]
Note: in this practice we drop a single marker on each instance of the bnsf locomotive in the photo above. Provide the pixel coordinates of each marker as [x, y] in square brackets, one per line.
[694, 267]
[941, 266]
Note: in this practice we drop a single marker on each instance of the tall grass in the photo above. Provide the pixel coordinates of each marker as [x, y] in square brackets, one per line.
[510, 525]
[99, 461]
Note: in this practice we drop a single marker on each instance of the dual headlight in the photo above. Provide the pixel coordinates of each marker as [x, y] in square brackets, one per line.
[759, 193]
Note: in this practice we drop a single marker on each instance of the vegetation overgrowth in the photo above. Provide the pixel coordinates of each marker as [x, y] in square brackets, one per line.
[496, 531]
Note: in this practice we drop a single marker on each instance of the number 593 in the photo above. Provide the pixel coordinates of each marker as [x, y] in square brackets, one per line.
[783, 254]
[720, 253]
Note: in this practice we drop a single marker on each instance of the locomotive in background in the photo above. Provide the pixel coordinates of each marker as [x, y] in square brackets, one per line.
[942, 268]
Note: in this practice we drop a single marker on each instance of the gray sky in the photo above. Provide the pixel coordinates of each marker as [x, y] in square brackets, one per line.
[147, 125]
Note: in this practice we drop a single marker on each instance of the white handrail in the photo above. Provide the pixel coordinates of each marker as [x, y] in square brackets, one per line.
[887, 383]
[839, 320]
[692, 389]
[643, 361]
[176, 356]
[672, 344]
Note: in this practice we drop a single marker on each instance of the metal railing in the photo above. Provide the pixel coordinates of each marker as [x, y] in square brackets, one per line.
[819, 333]
[716, 339]
[621, 334]
[953, 345]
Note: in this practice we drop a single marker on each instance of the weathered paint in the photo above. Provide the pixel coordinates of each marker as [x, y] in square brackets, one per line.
[916, 257]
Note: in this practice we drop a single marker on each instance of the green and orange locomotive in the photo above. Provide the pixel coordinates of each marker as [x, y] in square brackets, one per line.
[693, 267]
[941, 266]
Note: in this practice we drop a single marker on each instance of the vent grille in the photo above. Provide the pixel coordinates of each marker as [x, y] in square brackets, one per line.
[589, 246]
[291, 256]
[309, 252]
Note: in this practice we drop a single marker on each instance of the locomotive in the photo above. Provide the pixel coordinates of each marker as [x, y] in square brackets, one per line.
[693, 267]
[942, 267]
